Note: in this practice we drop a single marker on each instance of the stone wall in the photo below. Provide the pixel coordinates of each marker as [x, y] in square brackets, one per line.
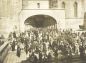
[58, 15]
[35, 4]
[10, 13]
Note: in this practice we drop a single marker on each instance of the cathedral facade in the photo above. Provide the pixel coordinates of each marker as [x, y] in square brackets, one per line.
[68, 14]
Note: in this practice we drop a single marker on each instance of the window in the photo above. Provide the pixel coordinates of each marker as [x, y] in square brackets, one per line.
[63, 5]
[53, 3]
[75, 9]
[50, 3]
[38, 5]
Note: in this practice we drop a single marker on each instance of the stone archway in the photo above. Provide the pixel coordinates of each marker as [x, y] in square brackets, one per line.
[58, 15]
[41, 21]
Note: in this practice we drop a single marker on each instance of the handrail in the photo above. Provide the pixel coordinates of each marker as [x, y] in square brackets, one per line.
[3, 46]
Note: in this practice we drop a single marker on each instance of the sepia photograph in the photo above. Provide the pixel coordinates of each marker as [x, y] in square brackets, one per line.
[42, 31]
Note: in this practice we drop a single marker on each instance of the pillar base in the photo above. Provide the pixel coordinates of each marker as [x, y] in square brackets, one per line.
[82, 27]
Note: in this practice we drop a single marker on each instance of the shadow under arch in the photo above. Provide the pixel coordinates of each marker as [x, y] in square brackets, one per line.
[40, 21]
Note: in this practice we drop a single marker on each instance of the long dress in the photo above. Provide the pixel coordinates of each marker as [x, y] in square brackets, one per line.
[18, 51]
[13, 46]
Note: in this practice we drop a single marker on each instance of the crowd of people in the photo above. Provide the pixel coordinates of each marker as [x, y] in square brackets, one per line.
[49, 45]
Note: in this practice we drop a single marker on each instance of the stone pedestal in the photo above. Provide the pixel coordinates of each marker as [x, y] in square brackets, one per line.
[84, 23]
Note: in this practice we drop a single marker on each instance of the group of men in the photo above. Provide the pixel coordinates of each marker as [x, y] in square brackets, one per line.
[50, 45]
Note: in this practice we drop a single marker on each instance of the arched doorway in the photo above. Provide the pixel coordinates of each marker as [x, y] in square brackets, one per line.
[41, 21]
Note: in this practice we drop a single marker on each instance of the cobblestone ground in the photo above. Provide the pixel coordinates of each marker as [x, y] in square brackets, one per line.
[13, 58]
